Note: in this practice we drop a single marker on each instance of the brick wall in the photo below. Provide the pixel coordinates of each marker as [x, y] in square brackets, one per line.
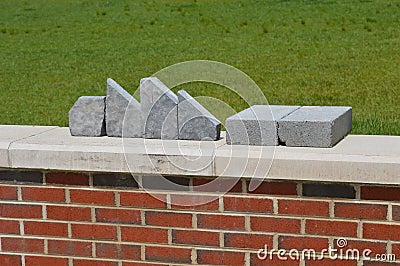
[53, 218]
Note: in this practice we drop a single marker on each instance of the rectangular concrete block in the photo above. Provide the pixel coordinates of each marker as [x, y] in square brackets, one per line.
[315, 126]
[257, 125]
[87, 117]
[194, 121]
[159, 107]
[123, 113]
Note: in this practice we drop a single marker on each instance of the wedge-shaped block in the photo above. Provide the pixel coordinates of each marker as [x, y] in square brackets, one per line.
[316, 126]
[257, 125]
[123, 115]
[86, 117]
[159, 110]
[194, 121]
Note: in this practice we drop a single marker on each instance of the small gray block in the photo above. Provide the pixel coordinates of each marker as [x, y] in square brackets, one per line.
[194, 121]
[159, 110]
[257, 125]
[122, 112]
[315, 126]
[86, 117]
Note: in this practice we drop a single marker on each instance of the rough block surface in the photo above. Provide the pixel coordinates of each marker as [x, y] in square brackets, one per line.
[87, 117]
[122, 112]
[159, 107]
[194, 121]
[315, 126]
[257, 125]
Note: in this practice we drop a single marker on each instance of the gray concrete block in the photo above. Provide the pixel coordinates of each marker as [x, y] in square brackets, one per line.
[194, 121]
[315, 126]
[87, 117]
[257, 125]
[159, 110]
[119, 103]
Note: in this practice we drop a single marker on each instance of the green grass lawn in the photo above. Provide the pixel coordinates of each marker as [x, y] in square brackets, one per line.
[298, 52]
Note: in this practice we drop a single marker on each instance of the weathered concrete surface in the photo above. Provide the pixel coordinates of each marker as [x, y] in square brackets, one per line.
[257, 125]
[58, 150]
[87, 117]
[10, 134]
[194, 121]
[356, 159]
[119, 103]
[159, 109]
[315, 126]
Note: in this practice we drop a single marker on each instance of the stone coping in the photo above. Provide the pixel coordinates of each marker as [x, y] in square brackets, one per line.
[356, 159]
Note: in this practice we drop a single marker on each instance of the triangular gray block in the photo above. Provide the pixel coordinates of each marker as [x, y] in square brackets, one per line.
[86, 117]
[119, 103]
[159, 109]
[194, 121]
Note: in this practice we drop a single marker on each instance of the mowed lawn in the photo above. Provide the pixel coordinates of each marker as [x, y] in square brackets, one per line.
[298, 52]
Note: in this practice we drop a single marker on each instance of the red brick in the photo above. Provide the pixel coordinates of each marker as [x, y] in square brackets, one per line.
[331, 228]
[43, 194]
[300, 243]
[396, 250]
[169, 254]
[117, 251]
[396, 212]
[143, 200]
[94, 231]
[169, 219]
[381, 231]
[118, 216]
[380, 193]
[22, 245]
[66, 178]
[94, 263]
[144, 234]
[375, 247]
[217, 185]
[70, 248]
[273, 260]
[269, 224]
[247, 204]
[20, 211]
[92, 197]
[220, 222]
[276, 188]
[46, 228]
[68, 213]
[379, 263]
[8, 193]
[247, 240]
[303, 207]
[45, 261]
[194, 202]
[330, 262]
[361, 211]
[9, 227]
[10, 260]
[195, 237]
[124, 263]
[220, 257]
